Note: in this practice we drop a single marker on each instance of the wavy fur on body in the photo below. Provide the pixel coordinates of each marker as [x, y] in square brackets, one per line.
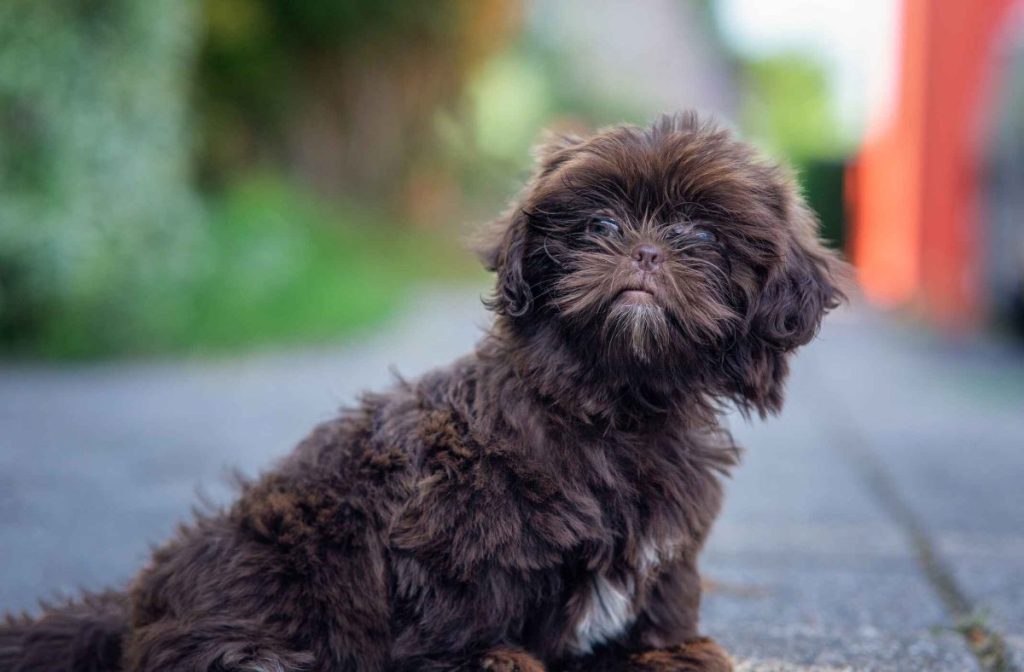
[537, 505]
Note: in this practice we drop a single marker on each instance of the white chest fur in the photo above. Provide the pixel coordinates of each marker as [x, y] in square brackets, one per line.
[611, 605]
[608, 613]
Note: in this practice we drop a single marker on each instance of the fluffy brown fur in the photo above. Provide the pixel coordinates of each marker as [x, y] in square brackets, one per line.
[537, 505]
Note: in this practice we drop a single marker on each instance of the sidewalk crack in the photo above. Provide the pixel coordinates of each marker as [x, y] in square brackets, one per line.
[983, 640]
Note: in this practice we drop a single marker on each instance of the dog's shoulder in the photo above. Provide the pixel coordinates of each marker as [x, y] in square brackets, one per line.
[483, 493]
[343, 478]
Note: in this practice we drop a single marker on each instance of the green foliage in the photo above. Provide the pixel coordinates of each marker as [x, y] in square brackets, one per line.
[105, 249]
[277, 267]
[822, 181]
[338, 25]
[98, 225]
[510, 102]
[373, 68]
[787, 109]
[786, 106]
[285, 268]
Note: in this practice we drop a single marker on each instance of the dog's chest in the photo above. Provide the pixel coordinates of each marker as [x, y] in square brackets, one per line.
[609, 603]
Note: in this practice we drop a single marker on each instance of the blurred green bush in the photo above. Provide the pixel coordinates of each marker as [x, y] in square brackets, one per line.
[823, 180]
[787, 108]
[286, 267]
[344, 95]
[107, 248]
[277, 266]
[99, 228]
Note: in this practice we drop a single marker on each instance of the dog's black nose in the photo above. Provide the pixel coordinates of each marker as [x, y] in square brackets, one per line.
[648, 257]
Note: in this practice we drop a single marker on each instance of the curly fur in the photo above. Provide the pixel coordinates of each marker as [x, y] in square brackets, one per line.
[540, 503]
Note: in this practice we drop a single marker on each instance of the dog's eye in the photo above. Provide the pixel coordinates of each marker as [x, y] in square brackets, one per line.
[704, 235]
[604, 226]
[687, 233]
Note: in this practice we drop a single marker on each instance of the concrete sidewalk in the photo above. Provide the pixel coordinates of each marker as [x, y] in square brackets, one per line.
[877, 525]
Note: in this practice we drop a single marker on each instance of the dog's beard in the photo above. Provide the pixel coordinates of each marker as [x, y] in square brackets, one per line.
[640, 330]
[687, 312]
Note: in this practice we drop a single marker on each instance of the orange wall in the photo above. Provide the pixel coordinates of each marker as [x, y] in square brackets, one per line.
[915, 187]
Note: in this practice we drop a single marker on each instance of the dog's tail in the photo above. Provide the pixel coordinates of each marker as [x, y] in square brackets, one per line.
[84, 635]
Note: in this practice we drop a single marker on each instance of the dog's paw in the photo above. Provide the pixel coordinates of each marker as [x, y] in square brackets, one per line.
[698, 655]
[504, 659]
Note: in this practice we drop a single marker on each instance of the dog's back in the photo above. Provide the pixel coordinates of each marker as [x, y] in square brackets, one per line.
[81, 636]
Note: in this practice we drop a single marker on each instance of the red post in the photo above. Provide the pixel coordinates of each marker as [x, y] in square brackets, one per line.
[916, 228]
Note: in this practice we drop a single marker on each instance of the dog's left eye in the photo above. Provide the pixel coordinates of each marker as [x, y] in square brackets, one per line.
[697, 234]
[604, 226]
[704, 235]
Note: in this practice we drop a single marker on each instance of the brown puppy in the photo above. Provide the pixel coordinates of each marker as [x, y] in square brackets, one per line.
[539, 504]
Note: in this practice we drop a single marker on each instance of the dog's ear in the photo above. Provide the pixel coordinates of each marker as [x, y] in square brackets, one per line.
[505, 253]
[505, 245]
[785, 309]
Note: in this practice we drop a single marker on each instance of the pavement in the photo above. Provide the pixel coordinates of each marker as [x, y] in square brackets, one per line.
[877, 524]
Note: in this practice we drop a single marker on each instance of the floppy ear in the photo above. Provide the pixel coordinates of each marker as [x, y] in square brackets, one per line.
[785, 312]
[505, 254]
[504, 246]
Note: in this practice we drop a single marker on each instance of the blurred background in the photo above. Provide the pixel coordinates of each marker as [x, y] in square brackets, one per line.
[214, 175]
[221, 219]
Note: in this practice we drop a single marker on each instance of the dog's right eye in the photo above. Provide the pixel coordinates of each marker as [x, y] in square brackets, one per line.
[604, 226]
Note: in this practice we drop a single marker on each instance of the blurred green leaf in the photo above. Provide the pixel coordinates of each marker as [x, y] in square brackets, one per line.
[787, 106]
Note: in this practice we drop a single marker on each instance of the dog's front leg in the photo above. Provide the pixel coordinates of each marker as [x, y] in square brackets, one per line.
[698, 655]
[664, 637]
[497, 658]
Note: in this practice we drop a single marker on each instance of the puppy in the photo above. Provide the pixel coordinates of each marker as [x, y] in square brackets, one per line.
[537, 505]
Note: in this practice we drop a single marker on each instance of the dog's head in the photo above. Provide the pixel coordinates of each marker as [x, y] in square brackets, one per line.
[672, 250]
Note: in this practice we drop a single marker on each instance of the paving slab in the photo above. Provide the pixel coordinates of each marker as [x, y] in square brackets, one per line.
[807, 569]
[996, 586]
[945, 421]
[98, 462]
[832, 618]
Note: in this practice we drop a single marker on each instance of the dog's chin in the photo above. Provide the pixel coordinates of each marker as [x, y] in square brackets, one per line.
[636, 329]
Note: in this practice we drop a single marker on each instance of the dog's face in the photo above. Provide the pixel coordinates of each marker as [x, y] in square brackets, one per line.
[672, 250]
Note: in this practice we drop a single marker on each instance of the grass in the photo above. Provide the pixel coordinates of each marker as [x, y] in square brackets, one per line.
[286, 269]
[275, 266]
